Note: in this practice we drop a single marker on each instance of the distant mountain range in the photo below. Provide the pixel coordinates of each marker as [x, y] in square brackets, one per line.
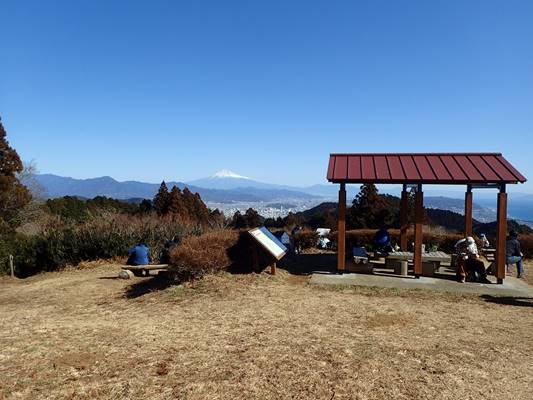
[58, 186]
[229, 187]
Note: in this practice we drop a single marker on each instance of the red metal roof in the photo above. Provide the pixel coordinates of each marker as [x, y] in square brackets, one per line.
[435, 168]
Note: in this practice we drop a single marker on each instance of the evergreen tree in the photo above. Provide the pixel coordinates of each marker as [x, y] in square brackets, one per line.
[188, 204]
[13, 194]
[253, 219]
[175, 203]
[217, 219]
[238, 221]
[161, 199]
[201, 212]
[146, 206]
[369, 209]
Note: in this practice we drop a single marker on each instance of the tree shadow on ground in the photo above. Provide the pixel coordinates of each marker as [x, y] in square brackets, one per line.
[509, 301]
[148, 285]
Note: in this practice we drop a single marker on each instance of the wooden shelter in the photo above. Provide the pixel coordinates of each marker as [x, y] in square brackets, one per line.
[474, 170]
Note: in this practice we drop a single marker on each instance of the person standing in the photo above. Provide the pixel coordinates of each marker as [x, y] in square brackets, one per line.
[514, 254]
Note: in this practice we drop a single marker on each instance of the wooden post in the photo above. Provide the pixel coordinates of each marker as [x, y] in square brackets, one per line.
[273, 269]
[404, 218]
[11, 266]
[501, 236]
[468, 211]
[419, 217]
[341, 254]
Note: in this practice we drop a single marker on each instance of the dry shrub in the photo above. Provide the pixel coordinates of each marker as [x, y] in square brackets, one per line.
[526, 244]
[200, 255]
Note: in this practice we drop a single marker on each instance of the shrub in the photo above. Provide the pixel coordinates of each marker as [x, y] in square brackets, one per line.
[200, 255]
[106, 237]
[526, 244]
[305, 239]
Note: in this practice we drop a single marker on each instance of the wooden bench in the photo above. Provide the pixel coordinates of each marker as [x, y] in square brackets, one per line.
[144, 270]
[430, 261]
[490, 254]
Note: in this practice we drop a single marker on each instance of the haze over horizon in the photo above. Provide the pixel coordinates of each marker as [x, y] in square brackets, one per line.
[147, 92]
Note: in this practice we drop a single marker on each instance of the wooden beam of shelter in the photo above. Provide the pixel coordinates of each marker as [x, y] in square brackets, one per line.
[404, 219]
[419, 219]
[468, 212]
[341, 256]
[501, 237]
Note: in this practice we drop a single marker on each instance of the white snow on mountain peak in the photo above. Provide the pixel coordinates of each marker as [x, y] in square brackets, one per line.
[226, 173]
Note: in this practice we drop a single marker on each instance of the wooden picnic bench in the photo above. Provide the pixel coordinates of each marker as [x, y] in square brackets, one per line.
[430, 261]
[144, 270]
[490, 254]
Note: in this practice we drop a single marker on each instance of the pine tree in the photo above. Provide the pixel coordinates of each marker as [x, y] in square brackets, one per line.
[369, 209]
[161, 199]
[13, 194]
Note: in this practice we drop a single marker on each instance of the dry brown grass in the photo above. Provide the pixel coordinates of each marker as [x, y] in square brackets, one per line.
[76, 335]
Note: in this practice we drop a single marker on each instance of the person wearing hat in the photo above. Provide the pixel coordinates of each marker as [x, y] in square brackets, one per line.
[513, 253]
[486, 243]
[469, 265]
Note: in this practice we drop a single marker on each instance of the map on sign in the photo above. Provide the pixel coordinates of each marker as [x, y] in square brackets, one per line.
[269, 242]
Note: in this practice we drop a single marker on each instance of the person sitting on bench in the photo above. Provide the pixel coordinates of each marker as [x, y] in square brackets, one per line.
[513, 254]
[382, 241]
[469, 265]
[139, 254]
[169, 245]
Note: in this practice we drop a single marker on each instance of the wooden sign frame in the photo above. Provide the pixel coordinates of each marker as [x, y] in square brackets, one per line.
[262, 236]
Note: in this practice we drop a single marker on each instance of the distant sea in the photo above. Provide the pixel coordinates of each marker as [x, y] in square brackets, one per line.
[517, 208]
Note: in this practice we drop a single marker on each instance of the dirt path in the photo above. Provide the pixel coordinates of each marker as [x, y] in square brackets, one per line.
[84, 335]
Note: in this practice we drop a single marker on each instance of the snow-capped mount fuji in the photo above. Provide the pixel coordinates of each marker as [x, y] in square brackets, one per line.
[229, 180]
[226, 173]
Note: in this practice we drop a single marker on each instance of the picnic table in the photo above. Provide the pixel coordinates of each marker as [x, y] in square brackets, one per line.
[430, 261]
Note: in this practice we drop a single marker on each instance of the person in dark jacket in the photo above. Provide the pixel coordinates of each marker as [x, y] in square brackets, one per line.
[169, 245]
[139, 254]
[513, 253]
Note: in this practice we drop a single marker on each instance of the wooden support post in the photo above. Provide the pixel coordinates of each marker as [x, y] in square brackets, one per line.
[468, 212]
[341, 255]
[404, 218]
[11, 265]
[501, 236]
[273, 269]
[419, 217]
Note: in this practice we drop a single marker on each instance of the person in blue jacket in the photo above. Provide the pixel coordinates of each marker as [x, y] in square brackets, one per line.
[139, 254]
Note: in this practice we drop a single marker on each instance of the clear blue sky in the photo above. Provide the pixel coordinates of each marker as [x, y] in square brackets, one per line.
[148, 90]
